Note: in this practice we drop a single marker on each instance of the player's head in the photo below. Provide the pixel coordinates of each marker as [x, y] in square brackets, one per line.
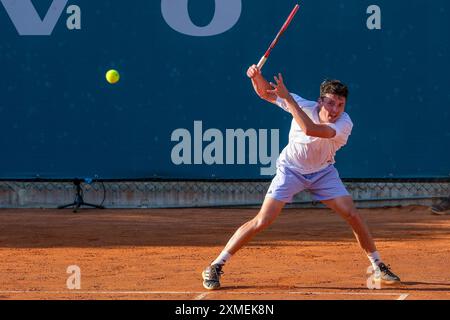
[333, 97]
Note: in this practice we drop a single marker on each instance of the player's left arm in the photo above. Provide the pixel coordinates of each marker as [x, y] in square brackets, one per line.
[308, 126]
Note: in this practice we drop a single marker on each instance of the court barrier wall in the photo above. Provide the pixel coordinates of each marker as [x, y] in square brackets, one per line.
[181, 194]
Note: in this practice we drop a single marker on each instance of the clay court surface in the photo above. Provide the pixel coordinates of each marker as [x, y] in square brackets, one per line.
[159, 254]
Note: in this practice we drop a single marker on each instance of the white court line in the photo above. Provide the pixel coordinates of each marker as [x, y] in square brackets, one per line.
[97, 292]
[202, 294]
[403, 296]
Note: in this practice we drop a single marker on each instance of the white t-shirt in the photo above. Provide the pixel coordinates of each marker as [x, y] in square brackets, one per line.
[307, 154]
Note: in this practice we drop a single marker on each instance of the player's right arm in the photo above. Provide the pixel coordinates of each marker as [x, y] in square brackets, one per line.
[260, 84]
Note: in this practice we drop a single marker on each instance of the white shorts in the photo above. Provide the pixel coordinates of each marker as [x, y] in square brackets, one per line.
[323, 185]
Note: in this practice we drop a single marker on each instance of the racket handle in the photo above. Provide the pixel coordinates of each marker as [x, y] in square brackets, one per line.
[262, 62]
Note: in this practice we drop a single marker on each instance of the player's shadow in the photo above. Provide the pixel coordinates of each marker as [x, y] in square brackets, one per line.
[256, 288]
[204, 228]
[418, 286]
[415, 286]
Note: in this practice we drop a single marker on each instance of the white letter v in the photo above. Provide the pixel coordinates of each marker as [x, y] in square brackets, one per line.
[26, 19]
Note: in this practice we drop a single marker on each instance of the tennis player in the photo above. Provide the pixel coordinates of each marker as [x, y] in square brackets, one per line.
[319, 129]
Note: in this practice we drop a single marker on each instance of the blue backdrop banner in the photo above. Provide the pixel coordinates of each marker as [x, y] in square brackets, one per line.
[184, 107]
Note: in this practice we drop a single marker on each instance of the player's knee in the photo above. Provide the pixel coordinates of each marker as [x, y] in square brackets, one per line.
[261, 223]
[353, 216]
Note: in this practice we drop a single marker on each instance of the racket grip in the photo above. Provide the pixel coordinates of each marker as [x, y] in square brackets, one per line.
[262, 62]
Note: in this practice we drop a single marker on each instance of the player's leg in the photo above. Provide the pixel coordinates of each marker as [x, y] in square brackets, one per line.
[281, 191]
[269, 211]
[345, 207]
[327, 186]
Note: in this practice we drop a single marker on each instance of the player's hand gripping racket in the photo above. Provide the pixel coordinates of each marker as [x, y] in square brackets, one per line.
[280, 33]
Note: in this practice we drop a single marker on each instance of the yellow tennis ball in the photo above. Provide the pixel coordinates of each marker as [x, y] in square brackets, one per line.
[112, 76]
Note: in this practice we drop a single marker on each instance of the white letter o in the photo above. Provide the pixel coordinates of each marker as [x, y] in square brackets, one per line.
[226, 15]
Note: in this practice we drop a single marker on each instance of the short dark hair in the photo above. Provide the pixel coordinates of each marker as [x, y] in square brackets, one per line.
[333, 87]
